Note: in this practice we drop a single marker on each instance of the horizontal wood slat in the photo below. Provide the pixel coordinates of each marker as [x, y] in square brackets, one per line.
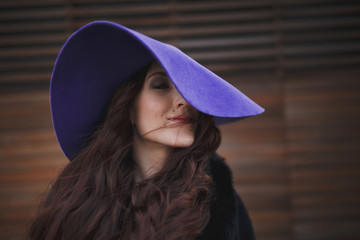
[120, 10]
[36, 14]
[33, 39]
[26, 65]
[5, 4]
[25, 77]
[41, 26]
[28, 52]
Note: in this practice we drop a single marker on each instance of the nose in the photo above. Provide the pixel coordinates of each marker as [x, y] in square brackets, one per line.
[179, 101]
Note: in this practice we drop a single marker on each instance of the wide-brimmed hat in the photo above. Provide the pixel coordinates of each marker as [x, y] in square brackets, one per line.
[101, 55]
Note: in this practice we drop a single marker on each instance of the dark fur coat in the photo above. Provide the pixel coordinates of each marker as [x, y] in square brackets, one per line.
[229, 218]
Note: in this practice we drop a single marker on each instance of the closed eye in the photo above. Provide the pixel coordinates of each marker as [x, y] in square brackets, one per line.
[159, 81]
[160, 85]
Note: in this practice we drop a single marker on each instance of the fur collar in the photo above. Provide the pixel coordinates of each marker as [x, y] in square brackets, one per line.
[229, 218]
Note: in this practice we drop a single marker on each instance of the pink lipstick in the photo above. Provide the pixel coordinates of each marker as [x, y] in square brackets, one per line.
[181, 119]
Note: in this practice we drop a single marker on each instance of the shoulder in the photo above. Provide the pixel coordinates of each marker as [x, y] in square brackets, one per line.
[218, 168]
[229, 217]
[222, 178]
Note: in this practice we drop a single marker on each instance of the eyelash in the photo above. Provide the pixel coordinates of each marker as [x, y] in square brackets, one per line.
[160, 85]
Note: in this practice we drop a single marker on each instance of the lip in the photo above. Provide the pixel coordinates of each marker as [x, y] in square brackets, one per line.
[181, 119]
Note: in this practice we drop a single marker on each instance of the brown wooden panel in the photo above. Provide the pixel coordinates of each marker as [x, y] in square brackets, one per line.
[254, 148]
[295, 166]
[323, 138]
[29, 158]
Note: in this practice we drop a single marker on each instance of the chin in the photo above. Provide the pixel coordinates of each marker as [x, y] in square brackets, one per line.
[181, 139]
[183, 143]
[172, 137]
[175, 139]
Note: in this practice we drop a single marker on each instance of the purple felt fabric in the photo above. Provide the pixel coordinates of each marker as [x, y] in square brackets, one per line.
[100, 56]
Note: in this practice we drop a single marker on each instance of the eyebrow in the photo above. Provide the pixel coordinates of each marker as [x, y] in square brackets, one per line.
[160, 73]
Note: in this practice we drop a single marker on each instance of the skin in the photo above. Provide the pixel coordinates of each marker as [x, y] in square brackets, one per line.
[163, 120]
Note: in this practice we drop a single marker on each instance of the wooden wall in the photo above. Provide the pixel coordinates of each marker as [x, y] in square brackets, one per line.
[296, 166]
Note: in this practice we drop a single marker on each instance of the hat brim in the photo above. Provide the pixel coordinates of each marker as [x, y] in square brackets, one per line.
[101, 55]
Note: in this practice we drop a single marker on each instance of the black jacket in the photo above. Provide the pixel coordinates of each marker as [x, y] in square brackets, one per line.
[229, 218]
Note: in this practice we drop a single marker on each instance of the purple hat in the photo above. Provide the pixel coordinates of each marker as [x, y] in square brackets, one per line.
[101, 55]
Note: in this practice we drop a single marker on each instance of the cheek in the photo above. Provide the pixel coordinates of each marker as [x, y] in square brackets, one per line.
[150, 113]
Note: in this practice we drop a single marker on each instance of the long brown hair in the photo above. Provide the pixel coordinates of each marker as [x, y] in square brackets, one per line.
[96, 197]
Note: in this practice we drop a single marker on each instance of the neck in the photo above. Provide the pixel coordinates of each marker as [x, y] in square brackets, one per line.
[149, 157]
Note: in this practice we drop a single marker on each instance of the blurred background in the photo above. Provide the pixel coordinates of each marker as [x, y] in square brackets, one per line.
[296, 166]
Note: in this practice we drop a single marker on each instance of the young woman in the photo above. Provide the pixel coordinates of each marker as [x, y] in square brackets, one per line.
[137, 119]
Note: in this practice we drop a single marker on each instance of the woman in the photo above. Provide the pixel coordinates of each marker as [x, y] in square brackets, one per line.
[136, 118]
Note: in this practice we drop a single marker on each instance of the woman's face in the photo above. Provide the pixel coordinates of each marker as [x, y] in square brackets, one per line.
[161, 115]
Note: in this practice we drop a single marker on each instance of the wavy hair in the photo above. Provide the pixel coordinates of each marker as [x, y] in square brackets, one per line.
[96, 196]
